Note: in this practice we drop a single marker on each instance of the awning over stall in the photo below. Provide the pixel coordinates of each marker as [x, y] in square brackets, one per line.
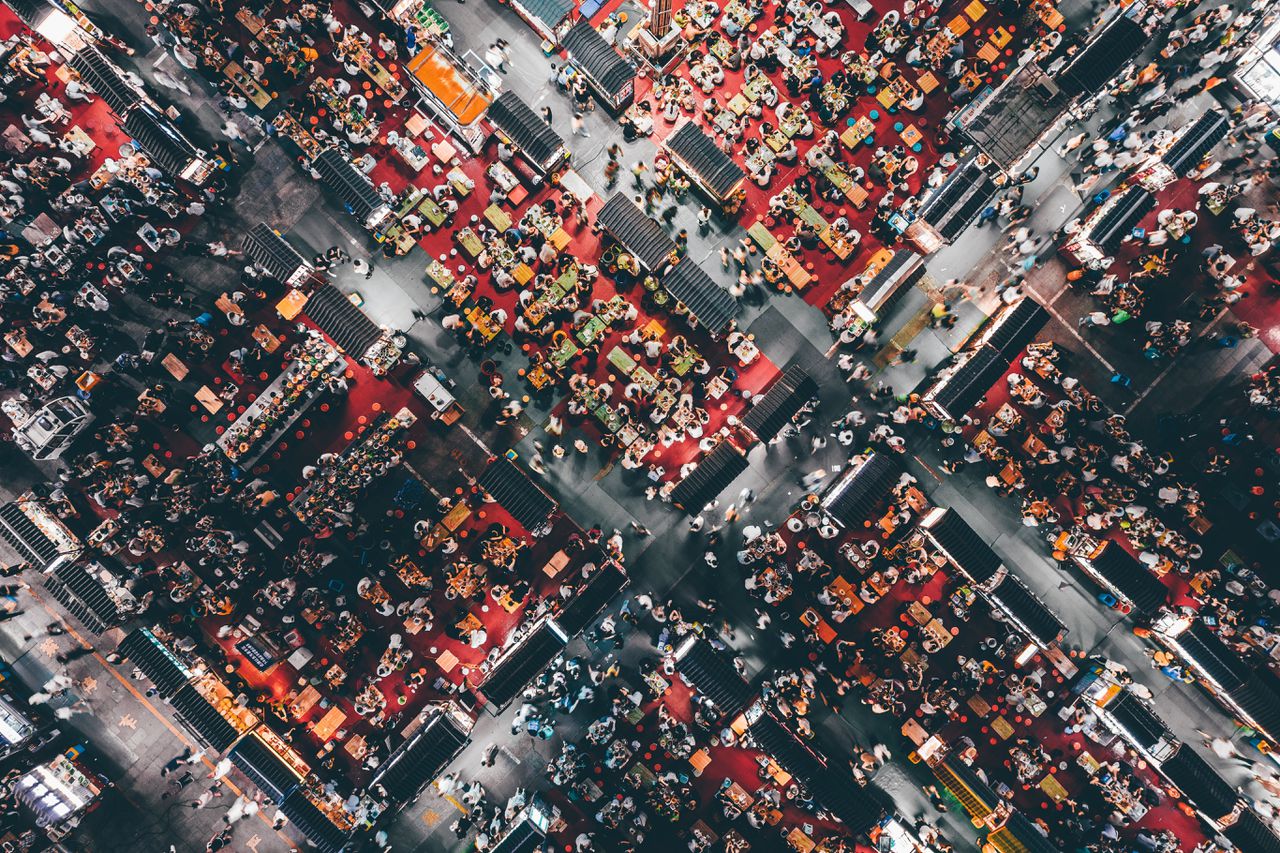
[453, 89]
[601, 588]
[1122, 216]
[80, 591]
[520, 664]
[102, 75]
[965, 785]
[770, 413]
[1129, 578]
[1103, 57]
[1016, 117]
[266, 769]
[612, 76]
[637, 233]
[1020, 835]
[1195, 142]
[1028, 612]
[340, 319]
[203, 719]
[965, 549]
[323, 834]
[146, 652]
[966, 191]
[167, 148]
[1252, 835]
[266, 248]
[699, 155]
[713, 475]
[518, 122]
[961, 386]
[423, 757]
[713, 675]
[1199, 782]
[30, 542]
[347, 182]
[1215, 661]
[1014, 327]
[710, 304]
[860, 489]
[517, 494]
[1140, 724]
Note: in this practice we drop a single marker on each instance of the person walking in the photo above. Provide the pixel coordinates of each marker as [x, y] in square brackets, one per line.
[578, 126]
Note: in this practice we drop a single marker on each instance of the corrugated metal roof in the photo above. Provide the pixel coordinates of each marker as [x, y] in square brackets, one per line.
[714, 307]
[697, 152]
[588, 49]
[525, 128]
[638, 234]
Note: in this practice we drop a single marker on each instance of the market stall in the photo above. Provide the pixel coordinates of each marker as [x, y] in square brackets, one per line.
[780, 404]
[57, 792]
[270, 763]
[165, 145]
[352, 187]
[92, 593]
[147, 652]
[715, 472]
[948, 533]
[1195, 141]
[1013, 327]
[551, 19]
[351, 329]
[710, 169]
[37, 533]
[1103, 57]
[960, 386]
[107, 80]
[316, 823]
[713, 675]
[431, 742]
[957, 202]
[520, 663]
[455, 95]
[636, 233]
[861, 487]
[707, 303]
[603, 585]
[611, 78]
[517, 494]
[206, 707]
[1129, 582]
[1108, 224]
[524, 129]
[264, 246]
[1027, 612]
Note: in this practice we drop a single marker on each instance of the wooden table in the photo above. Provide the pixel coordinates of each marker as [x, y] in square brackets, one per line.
[292, 304]
[799, 841]
[329, 723]
[556, 564]
[927, 82]
[305, 701]
[174, 365]
[911, 135]
[17, 341]
[914, 732]
[209, 400]
[1053, 788]
[257, 95]
[447, 660]
[699, 761]
[919, 613]
[265, 338]
[975, 10]
[357, 747]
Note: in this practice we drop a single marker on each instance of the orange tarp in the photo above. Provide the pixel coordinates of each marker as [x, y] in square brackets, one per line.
[434, 70]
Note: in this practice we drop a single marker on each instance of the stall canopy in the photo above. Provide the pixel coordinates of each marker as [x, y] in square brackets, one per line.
[522, 664]
[713, 475]
[456, 91]
[1259, 698]
[713, 675]
[791, 753]
[904, 269]
[101, 74]
[1121, 218]
[859, 490]
[1202, 648]
[950, 533]
[266, 769]
[340, 319]
[551, 13]
[1007, 124]
[1020, 835]
[966, 191]
[1199, 782]
[859, 809]
[770, 413]
[203, 719]
[1041, 623]
[526, 129]
[347, 182]
[1103, 57]
[1251, 834]
[965, 785]
[145, 651]
[600, 589]
[82, 593]
[1144, 728]
[963, 385]
[323, 834]
[612, 75]
[25, 537]
[167, 148]
[1195, 142]
[1128, 577]
[1015, 327]
[273, 253]
[637, 233]
[523, 836]
[710, 304]
[697, 153]
[517, 494]
[422, 757]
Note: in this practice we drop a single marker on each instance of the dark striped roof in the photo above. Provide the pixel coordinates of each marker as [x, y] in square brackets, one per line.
[713, 675]
[698, 153]
[638, 234]
[163, 143]
[1138, 720]
[1013, 597]
[520, 666]
[340, 319]
[588, 49]
[587, 603]
[266, 248]
[421, 758]
[1205, 650]
[859, 491]
[770, 413]
[1196, 141]
[203, 719]
[145, 651]
[324, 835]
[525, 128]
[1252, 835]
[1103, 57]
[517, 494]
[1199, 782]
[713, 475]
[266, 769]
[102, 75]
[1130, 578]
[710, 304]
[964, 547]
[969, 382]
[1015, 327]
[347, 182]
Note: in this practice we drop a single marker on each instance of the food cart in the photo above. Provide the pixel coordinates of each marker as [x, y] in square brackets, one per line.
[611, 78]
[433, 387]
